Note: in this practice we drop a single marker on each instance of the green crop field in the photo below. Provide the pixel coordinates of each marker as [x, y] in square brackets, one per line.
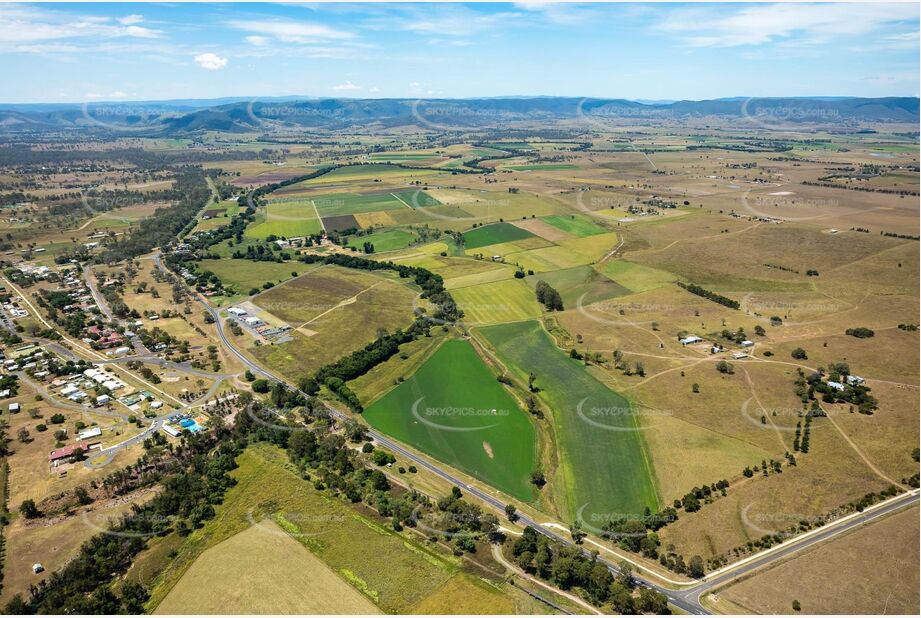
[501, 301]
[385, 240]
[454, 409]
[576, 225]
[494, 234]
[603, 464]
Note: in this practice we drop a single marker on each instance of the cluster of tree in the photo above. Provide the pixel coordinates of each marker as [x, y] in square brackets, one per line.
[902, 236]
[861, 332]
[571, 568]
[84, 585]
[704, 293]
[165, 224]
[548, 297]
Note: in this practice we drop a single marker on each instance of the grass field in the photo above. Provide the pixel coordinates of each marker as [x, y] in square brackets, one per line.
[501, 301]
[397, 573]
[333, 312]
[278, 576]
[576, 225]
[494, 234]
[603, 465]
[545, 167]
[877, 565]
[454, 409]
[581, 282]
[385, 240]
[244, 275]
[636, 277]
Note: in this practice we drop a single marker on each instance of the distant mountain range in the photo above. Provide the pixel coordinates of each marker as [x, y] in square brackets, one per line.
[238, 114]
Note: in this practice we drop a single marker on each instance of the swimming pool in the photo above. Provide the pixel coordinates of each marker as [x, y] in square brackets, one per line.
[190, 424]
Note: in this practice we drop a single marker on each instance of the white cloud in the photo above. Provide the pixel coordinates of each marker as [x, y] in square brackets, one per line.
[348, 85]
[291, 31]
[258, 41]
[27, 24]
[130, 20]
[210, 61]
[761, 24]
[374, 89]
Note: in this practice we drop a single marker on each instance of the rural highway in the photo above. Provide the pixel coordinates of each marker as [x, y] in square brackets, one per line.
[686, 599]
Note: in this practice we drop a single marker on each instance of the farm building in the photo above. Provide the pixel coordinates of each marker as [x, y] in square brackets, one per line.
[690, 339]
[739, 355]
[838, 386]
[855, 380]
[236, 311]
[747, 343]
[14, 407]
[92, 432]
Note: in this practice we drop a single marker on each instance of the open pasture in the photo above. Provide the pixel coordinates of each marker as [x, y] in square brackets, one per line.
[453, 409]
[872, 588]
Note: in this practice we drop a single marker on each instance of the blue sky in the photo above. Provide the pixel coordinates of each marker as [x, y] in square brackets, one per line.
[134, 51]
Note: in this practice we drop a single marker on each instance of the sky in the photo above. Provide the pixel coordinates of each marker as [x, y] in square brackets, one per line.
[157, 51]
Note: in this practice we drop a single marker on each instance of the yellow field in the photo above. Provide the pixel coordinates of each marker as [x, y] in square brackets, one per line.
[262, 570]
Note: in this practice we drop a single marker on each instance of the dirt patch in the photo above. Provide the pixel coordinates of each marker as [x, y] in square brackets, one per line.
[488, 448]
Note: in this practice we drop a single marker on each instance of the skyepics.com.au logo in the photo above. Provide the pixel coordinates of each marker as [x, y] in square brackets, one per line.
[618, 417]
[448, 116]
[457, 418]
[774, 115]
[268, 115]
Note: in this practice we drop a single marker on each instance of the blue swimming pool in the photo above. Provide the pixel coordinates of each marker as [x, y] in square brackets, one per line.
[190, 424]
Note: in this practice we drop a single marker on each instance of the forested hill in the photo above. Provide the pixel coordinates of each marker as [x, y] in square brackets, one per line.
[182, 117]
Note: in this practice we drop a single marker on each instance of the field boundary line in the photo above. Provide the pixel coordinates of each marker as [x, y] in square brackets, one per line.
[399, 199]
[315, 211]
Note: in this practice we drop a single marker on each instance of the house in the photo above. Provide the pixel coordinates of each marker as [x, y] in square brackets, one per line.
[113, 385]
[156, 405]
[747, 343]
[103, 400]
[67, 451]
[838, 386]
[122, 350]
[92, 432]
[690, 339]
[852, 380]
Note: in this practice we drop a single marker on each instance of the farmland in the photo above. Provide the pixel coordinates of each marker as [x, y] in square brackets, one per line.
[454, 409]
[595, 433]
[691, 328]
